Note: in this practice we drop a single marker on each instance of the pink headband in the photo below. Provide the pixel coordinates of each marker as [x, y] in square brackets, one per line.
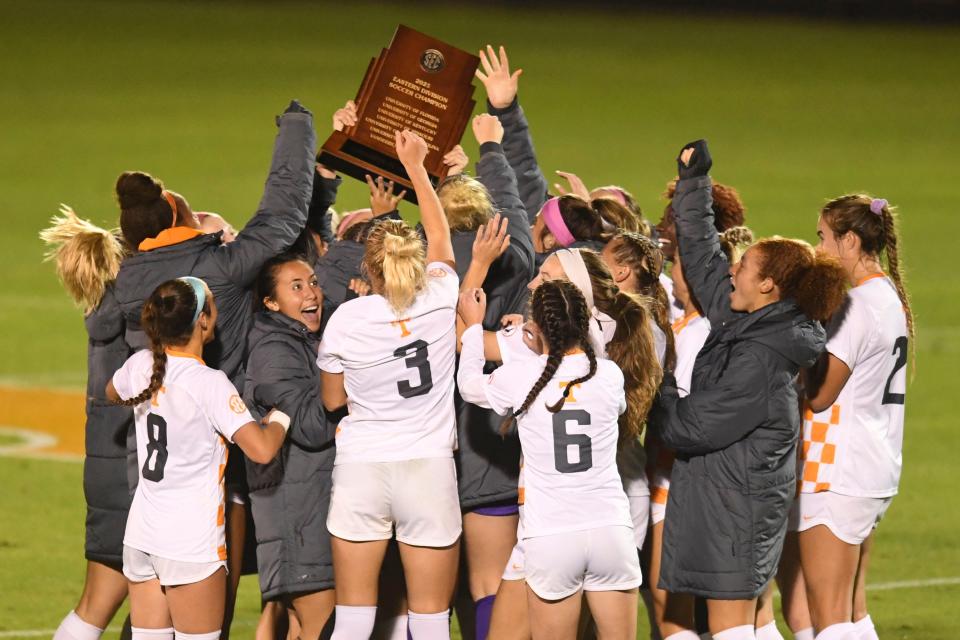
[350, 219]
[554, 221]
[620, 195]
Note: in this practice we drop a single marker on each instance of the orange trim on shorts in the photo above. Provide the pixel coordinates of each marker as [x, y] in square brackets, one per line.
[222, 552]
[521, 495]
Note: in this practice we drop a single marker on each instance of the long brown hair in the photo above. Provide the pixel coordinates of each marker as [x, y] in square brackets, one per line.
[560, 310]
[580, 218]
[816, 282]
[645, 260]
[632, 346]
[167, 319]
[878, 239]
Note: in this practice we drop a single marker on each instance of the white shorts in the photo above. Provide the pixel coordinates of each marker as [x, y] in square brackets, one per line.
[850, 518]
[139, 566]
[658, 511]
[418, 497]
[640, 514]
[602, 559]
[516, 564]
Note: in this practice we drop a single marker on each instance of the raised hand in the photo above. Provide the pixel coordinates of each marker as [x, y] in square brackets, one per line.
[487, 128]
[577, 187]
[500, 84]
[457, 160]
[694, 160]
[411, 149]
[345, 116]
[359, 287]
[491, 241]
[472, 306]
[382, 199]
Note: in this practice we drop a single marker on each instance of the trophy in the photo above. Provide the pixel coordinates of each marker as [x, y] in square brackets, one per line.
[417, 83]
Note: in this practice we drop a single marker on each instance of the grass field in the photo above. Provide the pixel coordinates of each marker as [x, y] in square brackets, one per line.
[795, 112]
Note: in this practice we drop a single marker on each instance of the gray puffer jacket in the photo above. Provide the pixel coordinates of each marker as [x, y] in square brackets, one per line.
[290, 496]
[488, 465]
[735, 434]
[106, 476]
[230, 269]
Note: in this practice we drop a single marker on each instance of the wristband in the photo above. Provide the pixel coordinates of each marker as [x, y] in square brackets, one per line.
[280, 418]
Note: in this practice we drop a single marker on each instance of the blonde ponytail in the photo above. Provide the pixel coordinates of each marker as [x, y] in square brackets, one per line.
[87, 257]
[395, 258]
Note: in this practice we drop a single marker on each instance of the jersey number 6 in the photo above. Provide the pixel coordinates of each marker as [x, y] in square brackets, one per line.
[418, 360]
[156, 448]
[562, 440]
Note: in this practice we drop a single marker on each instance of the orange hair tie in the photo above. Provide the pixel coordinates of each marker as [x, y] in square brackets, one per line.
[173, 205]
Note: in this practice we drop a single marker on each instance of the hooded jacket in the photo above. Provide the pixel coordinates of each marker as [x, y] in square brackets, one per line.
[290, 495]
[735, 434]
[488, 464]
[107, 475]
[230, 269]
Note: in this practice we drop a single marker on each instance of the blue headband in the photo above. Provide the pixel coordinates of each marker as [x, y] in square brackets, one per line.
[200, 291]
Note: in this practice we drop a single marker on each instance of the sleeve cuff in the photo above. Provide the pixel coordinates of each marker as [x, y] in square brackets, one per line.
[496, 111]
[491, 147]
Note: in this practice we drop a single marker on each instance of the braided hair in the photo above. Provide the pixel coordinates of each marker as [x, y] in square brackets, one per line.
[167, 319]
[560, 310]
[645, 259]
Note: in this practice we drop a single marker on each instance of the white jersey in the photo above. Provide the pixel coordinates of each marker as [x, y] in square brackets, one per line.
[676, 310]
[398, 373]
[854, 447]
[177, 512]
[689, 334]
[569, 458]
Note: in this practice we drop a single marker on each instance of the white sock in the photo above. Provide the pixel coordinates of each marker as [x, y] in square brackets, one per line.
[429, 626]
[743, 632]
[397, 628]
[212, 635]
[769, 631]
[686, 634]
[865, 629]
[803, 634]
[73, 627]
[353, 623]
[137, 633]
[839, 631]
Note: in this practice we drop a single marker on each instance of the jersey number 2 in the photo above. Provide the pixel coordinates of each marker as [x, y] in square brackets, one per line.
[418, 360]
[156, 448]
[900, 350]
[562, 440]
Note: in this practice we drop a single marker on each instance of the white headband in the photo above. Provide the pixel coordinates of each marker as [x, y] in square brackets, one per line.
[576, 270]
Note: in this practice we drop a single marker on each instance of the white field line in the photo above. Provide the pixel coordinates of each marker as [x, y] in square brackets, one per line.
[880, 586]
[30, 441]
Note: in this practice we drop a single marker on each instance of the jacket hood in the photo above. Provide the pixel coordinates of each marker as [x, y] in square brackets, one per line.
[139, 275]
[784, 328]
[275, 325]
[345, 254]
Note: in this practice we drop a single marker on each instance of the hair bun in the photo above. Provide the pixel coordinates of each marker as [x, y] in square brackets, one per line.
[135, 189]
[399, 246]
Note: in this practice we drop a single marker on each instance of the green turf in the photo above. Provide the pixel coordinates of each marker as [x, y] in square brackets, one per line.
[795, 111]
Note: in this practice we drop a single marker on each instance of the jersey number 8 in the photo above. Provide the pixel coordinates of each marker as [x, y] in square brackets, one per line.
[156, 448]
[420, 361]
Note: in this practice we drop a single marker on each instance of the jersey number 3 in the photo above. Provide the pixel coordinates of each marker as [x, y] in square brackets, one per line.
[420, 361]
[900, 350]
[563, 440]
[156, 448]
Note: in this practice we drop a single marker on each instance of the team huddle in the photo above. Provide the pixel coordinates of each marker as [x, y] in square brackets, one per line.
[535, 410]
